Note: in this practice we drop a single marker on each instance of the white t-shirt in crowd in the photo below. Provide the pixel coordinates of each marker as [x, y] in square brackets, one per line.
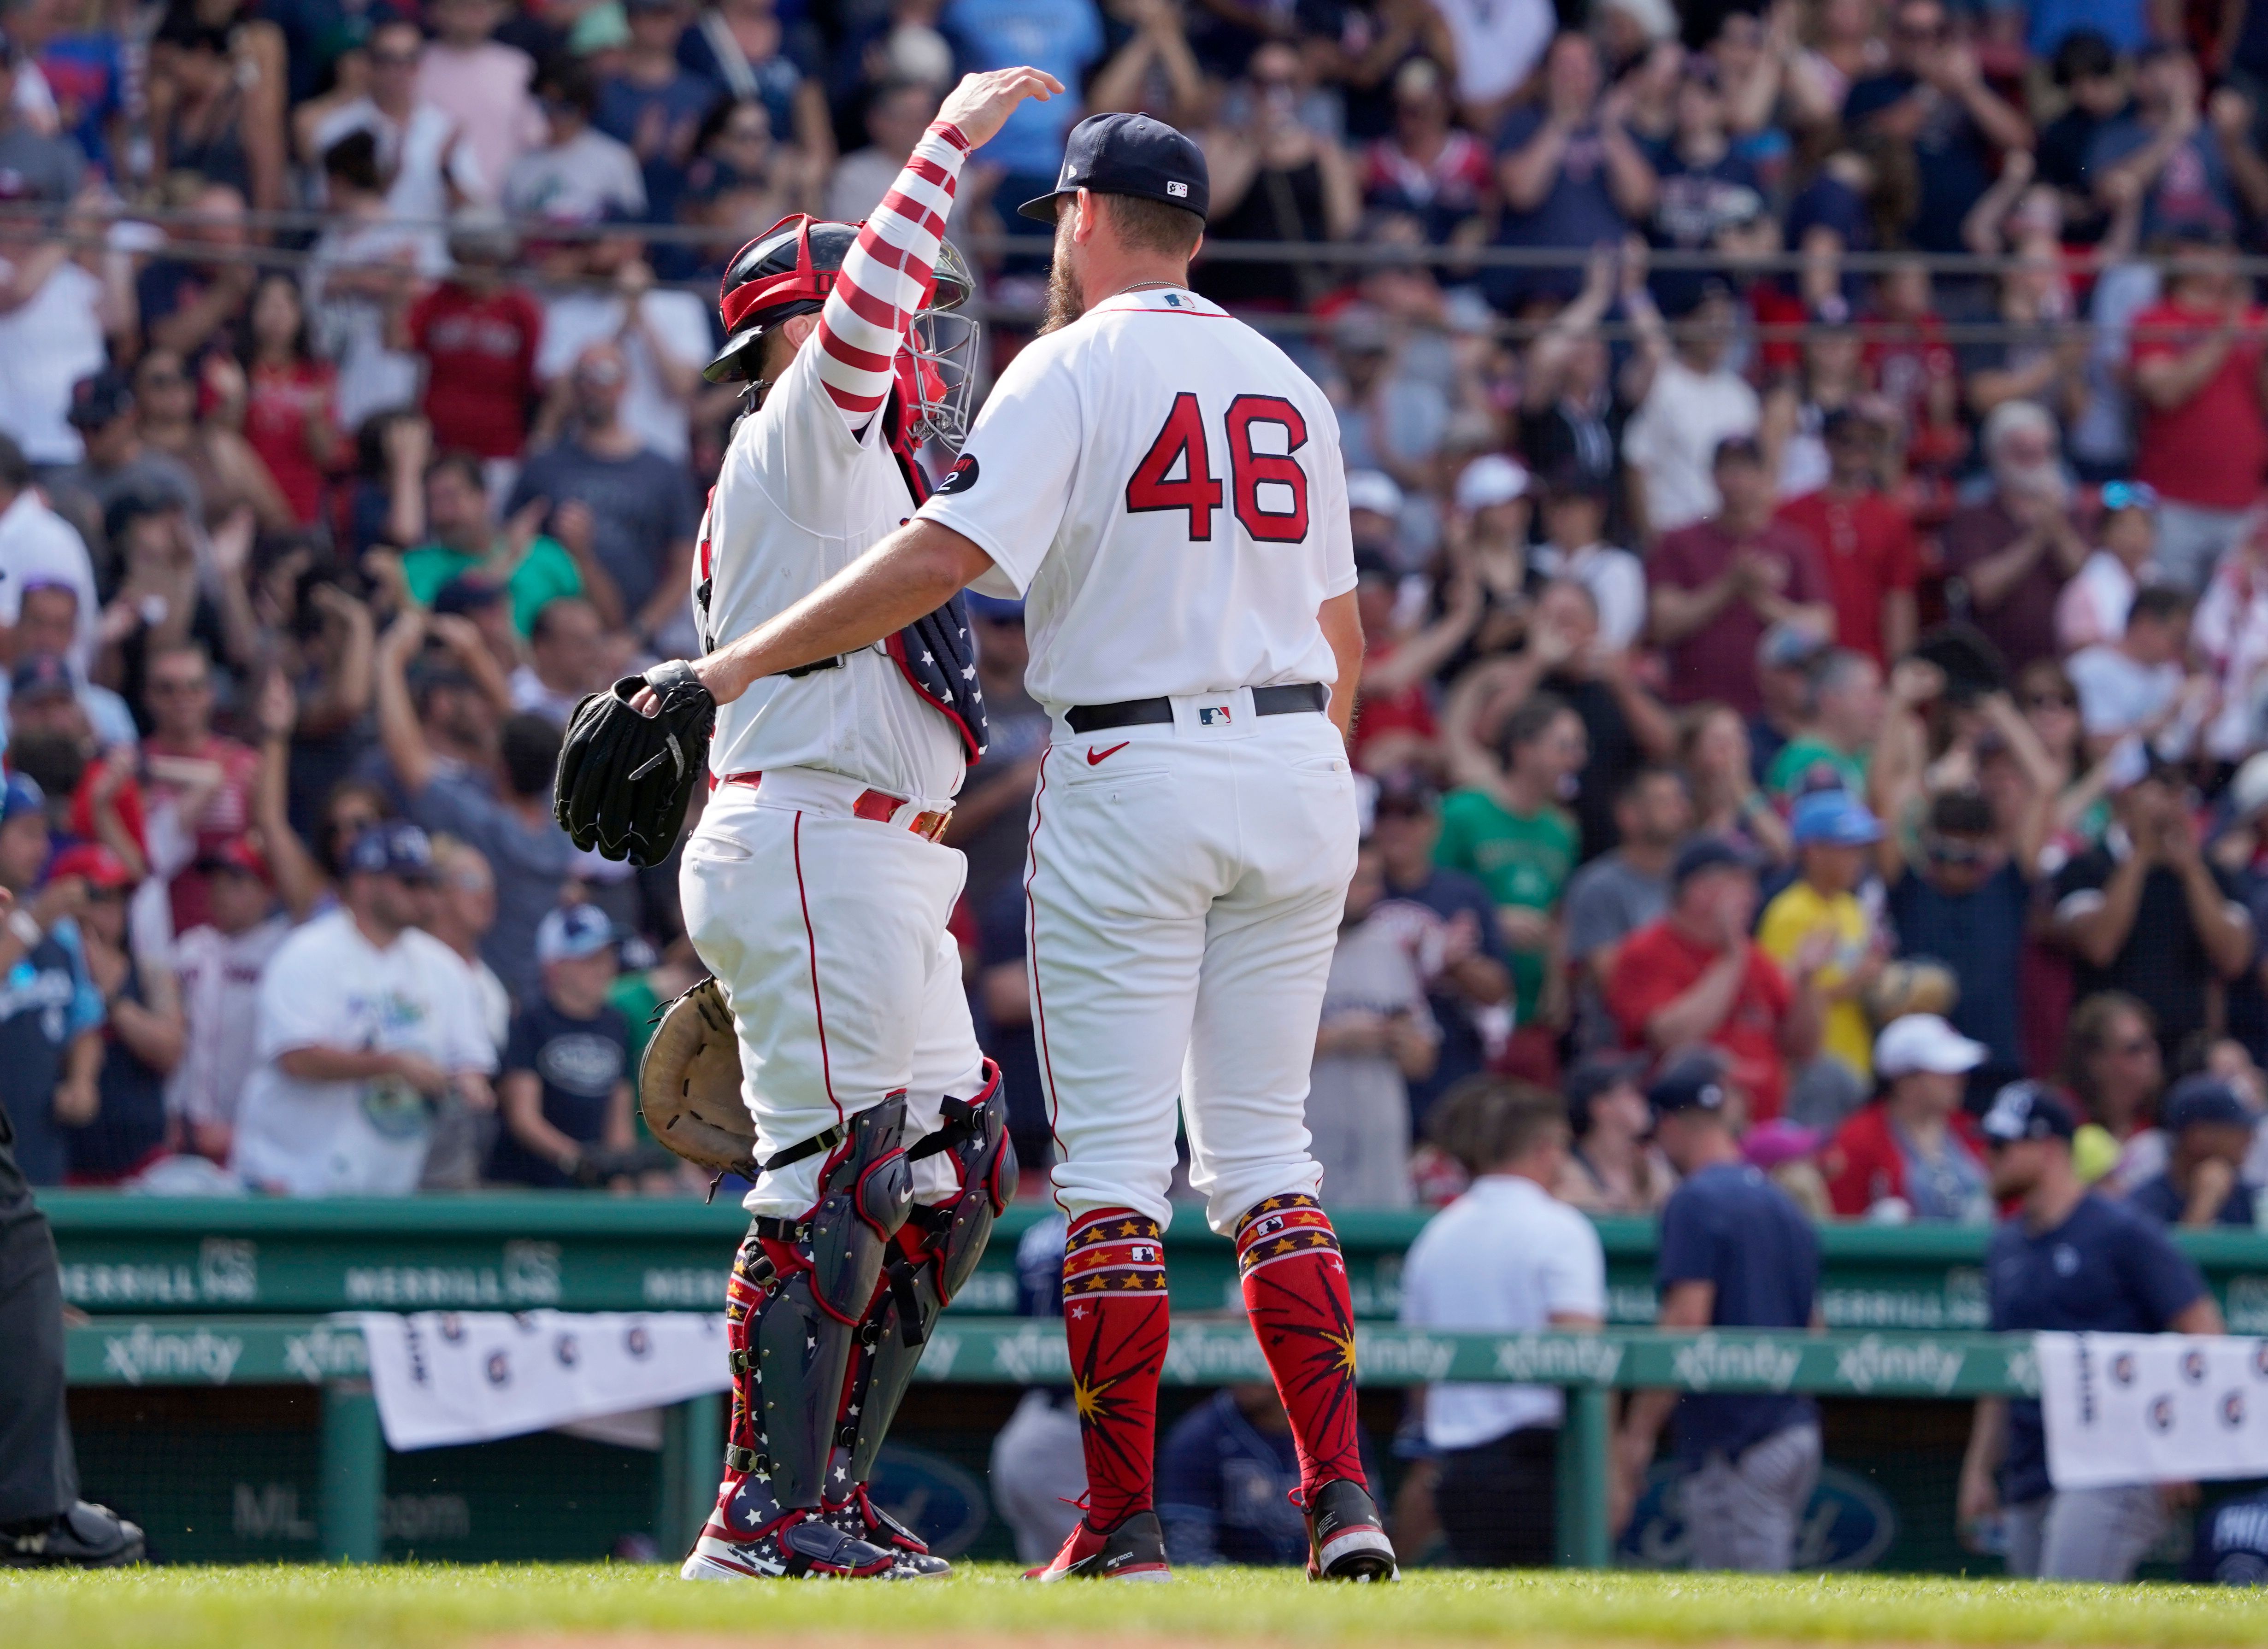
[1504, 1257]
[2118, 695]
[47, 343]
[328, 986]
[349, 329]
[573, 322]
[220, 978]
[38, 546]
[1617, 582]
[2093, 606]
[579, 181]
[423, 154]
[1672, 439]
[1499, 42]
[1164, 488]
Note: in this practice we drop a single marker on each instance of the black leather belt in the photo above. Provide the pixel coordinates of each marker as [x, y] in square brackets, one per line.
[814, 668]
[1285, 700]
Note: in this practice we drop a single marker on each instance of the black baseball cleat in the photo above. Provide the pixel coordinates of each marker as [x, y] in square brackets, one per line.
[1346, 1541]
[86, 1537]
[1134, 1551]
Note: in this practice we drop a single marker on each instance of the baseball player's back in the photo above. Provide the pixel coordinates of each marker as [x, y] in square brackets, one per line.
[1165, 488]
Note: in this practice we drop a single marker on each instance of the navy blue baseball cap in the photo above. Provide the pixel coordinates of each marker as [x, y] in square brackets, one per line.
[1127, 154]
[2202, 1099]
[1691, 1080]
[1708, 852]
[392, 848]
[40, 673]
[2027, 1111]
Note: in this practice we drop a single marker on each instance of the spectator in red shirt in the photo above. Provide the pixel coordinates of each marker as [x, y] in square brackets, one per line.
[1912, 1153]
[1865, 542]
[2201, 437]
[1693, 977]
[291, 398]
[2015, 549]
[479, 337]
[207, 780]
[1718, 583]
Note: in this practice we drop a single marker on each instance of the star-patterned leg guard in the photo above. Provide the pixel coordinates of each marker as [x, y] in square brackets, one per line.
[1295, 1289]
[936, 1251]
[792, 1308]
[1117, 1320]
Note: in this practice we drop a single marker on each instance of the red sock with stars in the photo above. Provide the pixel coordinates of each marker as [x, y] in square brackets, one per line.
[1116, 1320]
[1295, 1288]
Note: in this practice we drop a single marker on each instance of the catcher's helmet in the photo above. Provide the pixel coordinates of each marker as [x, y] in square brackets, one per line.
[790, 268]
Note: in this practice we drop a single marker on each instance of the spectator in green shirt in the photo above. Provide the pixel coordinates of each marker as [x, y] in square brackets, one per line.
[531, 568]
[1512, 832]
[1843, 718]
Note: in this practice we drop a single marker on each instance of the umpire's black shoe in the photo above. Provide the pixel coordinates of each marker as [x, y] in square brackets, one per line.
[86, 1537]
[1134, 1551]
[1346, 1541]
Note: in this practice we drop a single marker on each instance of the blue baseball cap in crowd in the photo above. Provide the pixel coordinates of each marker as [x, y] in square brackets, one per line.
[22, 795]
[2027, 1111]
[392, 848]
[1692, 1081]
[39, 673]
[2202, 1100]
[573, 931]
[1707, 853]
[1127, 154]
[1833, 819]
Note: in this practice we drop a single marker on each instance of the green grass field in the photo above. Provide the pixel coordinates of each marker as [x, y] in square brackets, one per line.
[986, 1607]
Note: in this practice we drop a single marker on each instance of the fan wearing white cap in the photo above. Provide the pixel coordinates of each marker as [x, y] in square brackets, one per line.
[1913, 1154]
[1489, 524]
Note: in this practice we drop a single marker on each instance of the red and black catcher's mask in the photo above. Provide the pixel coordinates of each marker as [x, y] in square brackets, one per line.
[790, 268]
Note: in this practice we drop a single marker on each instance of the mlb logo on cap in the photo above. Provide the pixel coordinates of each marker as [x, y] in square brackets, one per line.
[1176, 188]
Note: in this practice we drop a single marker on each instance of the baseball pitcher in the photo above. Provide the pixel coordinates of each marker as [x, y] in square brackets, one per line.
[815, 887]
[1165, 490]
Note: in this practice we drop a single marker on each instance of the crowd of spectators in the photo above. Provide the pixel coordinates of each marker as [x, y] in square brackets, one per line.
[1780, 619]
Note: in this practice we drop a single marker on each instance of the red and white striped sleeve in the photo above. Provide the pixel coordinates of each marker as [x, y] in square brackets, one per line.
[886, 277]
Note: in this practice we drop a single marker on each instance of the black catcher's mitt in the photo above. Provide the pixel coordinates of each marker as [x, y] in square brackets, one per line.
[625, 778]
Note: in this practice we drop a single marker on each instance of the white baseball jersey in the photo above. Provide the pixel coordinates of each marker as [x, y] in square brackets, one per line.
[1164, 488]
[808, 483]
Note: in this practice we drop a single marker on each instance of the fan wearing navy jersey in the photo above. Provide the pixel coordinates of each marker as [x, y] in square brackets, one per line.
[2067, 1260]
[815, 887]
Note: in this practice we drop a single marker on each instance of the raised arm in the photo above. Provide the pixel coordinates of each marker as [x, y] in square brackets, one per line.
[889, 275]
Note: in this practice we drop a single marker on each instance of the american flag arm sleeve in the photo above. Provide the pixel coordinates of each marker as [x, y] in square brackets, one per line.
[886, 277]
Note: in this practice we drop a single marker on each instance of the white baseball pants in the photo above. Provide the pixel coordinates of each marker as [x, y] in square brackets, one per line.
[827, 934]
[1183, 896]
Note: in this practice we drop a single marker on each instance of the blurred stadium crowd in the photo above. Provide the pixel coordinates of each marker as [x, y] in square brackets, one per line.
[1803, 462]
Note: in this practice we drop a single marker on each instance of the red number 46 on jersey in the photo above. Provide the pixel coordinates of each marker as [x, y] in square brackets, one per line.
[1181, 445]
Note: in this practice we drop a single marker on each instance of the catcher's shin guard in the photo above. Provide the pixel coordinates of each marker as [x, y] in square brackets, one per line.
[936, 1252]
[798, 1292]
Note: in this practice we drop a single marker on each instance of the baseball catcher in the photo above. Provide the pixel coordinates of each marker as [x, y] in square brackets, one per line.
[831, 1058]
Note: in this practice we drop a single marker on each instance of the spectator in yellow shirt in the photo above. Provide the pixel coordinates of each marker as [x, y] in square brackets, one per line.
[1833, 832]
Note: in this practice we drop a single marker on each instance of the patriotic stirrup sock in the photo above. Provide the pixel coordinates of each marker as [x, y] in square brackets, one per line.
[1295, 1289]
[1117, 1322]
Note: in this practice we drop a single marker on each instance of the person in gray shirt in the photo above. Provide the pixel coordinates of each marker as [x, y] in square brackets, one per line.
[1619, 893]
